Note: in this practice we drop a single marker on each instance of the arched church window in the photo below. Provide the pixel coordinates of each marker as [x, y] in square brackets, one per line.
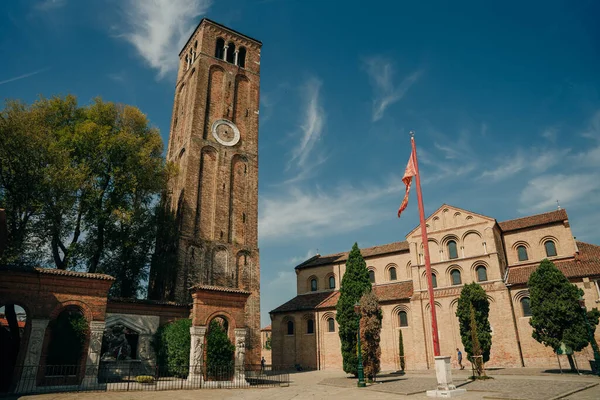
[550, 248]
[455, 274]
[403, 318]
[372, 276]
[522, 253]
[434, 280]
[313, 285]
[310, 326]
[481, 273]
[526, 306]
[290, 327]
[393, 276]
[330, 325]
[331, 282]
[452, 251]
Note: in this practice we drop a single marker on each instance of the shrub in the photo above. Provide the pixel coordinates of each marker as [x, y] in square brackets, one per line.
[172, 346]
[144, 379]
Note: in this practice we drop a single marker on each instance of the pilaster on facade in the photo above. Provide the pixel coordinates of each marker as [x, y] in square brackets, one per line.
[28, 380]
[92, 363]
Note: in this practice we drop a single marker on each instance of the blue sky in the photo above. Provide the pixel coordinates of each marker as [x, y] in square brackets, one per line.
[504, 98]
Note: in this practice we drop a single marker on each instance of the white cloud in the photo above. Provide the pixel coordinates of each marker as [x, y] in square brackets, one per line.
[535, 160]
[157, 27]
[542, 192]
[295, 213]
[550, 134]
[381, 74]
[593, 130]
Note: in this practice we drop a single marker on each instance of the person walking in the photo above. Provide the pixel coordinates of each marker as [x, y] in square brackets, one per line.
[460, 359]
[262, 365]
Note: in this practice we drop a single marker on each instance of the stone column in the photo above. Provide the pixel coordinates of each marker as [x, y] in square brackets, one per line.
[92, 364]
[27, 382]
[225, 52]
[235, 56]
[197, 334]
[240, 355]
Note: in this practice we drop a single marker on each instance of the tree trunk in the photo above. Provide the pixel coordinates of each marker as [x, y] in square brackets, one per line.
[571, 363]
[13, 325]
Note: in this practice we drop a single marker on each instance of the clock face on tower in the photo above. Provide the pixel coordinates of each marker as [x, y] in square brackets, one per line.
[226, 132]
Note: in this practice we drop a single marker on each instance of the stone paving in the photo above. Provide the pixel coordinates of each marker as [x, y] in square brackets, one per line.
[516, 384]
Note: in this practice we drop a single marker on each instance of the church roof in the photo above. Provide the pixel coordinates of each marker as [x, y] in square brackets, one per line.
[585, 264]
[342, 257]
[534, 220]
[323, 300]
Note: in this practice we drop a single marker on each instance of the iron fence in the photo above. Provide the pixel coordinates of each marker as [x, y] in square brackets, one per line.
[133, 376]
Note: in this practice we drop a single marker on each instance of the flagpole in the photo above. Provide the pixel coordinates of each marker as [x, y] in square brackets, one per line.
[434, 327]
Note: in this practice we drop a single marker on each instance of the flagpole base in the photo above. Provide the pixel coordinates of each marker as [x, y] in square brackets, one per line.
[445, 385]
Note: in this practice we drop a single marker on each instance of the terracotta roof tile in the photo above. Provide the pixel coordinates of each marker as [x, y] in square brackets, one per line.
[147, 301]
[584, 264]
[266, 328]
[342, 257]
[220, 289]
[324, 300]
[533, 220]
[62, 272]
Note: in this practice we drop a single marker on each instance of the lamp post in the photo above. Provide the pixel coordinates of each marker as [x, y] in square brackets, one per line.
[361, 372]
[591, 336]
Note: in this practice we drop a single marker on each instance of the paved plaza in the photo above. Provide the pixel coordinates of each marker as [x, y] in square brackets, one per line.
[521, 384]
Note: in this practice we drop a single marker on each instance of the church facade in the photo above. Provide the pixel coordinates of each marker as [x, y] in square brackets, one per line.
[464, 247]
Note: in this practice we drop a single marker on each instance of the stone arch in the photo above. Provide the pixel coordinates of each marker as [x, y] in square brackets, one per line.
[424, 277]
[325, 323]
[307, 321]
[435, 223]
[82, 307]
[387, 272]
[515, 248]
[238, 199]
[207, 192]
[457, 218]
[409, 270]
[328, 281]
[476, 264]
[396, 315]
[472, 243]
[215, 101]
[434, 250]
[549, 238]
[241, 99]
[454, 267]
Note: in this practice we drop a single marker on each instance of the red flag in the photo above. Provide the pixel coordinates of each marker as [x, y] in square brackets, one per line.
[407, 179]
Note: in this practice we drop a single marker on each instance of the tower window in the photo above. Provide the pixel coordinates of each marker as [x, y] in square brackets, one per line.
[242, 57]
[331, 325]
[434, 280]
[220, 49]
[313, 285]
[230, 52]
[550, 248]
[393, 274]
[452, 252]
[290, 328]
[522, 253]
[331, 282]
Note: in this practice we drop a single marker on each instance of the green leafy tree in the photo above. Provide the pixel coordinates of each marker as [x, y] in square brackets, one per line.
[473, 317]
[79, 185]
[370, 334]
[556, 316]
[268, 342]
[401, 350]
[355, 283]
[219, 352]
[172, 346]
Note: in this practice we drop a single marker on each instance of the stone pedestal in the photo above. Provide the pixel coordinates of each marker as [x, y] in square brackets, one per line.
[240, 355]
[92, 363]
[28, 380]
[197, 334]
[445, 385]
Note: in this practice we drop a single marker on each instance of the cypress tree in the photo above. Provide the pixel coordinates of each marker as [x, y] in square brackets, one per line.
[401, 350]
[556, 316]
[355, 283]
[473, 312]
[370, 334]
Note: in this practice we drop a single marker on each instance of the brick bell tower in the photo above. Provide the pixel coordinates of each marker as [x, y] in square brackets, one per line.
[214, 144]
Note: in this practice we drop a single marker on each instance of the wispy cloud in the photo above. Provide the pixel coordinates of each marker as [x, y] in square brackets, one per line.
[593, 130]
[381, 74]
[47, 5]
[157, 27]
[303, 158]
[536, 160]
[550, 134]
[296, 213]
[27, 75]
[542, 192]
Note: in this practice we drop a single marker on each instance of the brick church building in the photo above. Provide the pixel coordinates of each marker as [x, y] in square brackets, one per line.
[464, 247]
